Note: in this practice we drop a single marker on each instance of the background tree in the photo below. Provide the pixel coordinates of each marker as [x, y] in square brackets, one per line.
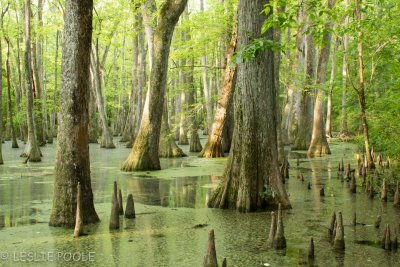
[144, 153]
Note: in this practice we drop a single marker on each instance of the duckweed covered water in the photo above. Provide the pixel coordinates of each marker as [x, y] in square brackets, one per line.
[170, 202]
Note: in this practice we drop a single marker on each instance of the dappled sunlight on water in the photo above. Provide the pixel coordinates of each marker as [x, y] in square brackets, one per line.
[170, 202]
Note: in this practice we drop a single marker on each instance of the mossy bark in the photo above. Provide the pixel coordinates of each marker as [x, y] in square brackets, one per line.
[145, 151]
[72, 157]
[253, 161]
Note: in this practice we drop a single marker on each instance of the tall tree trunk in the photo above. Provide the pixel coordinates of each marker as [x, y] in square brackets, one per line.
[290, 116]
[345, 72]
[37, 94]
[302, 138]
[32, 151]
[23, 128]
[213, 147]
[53, 130]
[106, 140]
[72, 159]
[1, 103]
[319, 145]
[206, 89]
[361, 89]
[40, 74]
[144, 153]
[10, 116]
[194, 144]
[328, 124]
[253, 161]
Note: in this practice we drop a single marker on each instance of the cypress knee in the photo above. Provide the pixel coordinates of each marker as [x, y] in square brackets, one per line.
[210, 260]
[114, 218]
[331, 226]
[339, 237]
[378, 221]
[311, 249]
[130, 208]
[353, 185]
[78, 220]
[396, 200]
[272, 230]
[384, 190]
[224, 263]
[279, 239]
[120, 204]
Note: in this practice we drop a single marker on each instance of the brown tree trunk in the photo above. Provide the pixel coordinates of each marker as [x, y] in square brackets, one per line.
[53, 129]
[213, 147]
[361, 91]
[1, 104]
[319, 145]
[106, 140]
[302, 138]
[144, 154]
[328, 124]
[10, 116]
[252, 168]
[344, 132]
[72, 159]
[290, 116]
[32, 151]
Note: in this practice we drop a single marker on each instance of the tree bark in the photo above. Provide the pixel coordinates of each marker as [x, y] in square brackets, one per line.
[53, 129]
[252, 168]
[328, 124]
[344, 132]
[361, 90]
[302, 138]
[72, 159]
[32, 151]
[106, 140]
[10, 116]
[319, 145]
[213, 147]
[1, 104]
[144, 154]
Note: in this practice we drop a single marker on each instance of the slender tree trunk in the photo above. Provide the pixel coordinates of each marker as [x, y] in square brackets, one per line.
[40, 73]
[302, 138]
[1, 103]
[361, 90]
[213, 147]
[253, 161]
[345, 72]
[194, 145]
[319, 145]
[106, 140]
[290, 117]
[32, 151]
[206, 89]
[10, 116]
[72, 159]
[23, 129]
[144, 154]
[328, 124]
[53, 130]
[37, 94]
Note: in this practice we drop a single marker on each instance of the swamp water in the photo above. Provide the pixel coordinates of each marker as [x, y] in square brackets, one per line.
[170, 202]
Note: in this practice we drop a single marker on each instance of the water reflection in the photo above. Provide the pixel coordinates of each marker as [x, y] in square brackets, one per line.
[174, 193]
